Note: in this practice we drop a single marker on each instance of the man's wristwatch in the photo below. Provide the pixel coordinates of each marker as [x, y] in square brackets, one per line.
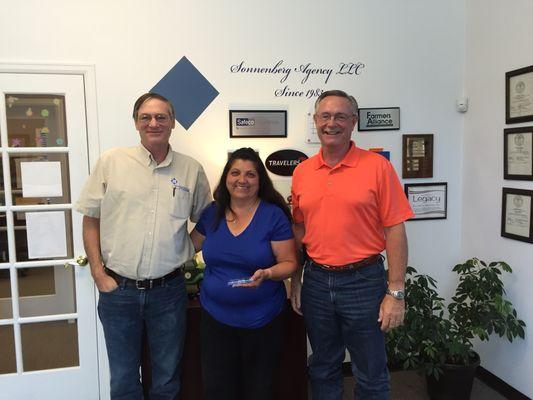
[397, 294]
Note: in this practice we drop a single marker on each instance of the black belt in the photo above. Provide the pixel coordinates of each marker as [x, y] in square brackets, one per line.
[355, 265]
[144, 283]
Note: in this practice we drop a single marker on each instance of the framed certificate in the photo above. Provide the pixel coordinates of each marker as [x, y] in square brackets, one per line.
[516, 214]
[257, 123]
[417, 156]
[428, 200]
[518, 153]
[519, 95]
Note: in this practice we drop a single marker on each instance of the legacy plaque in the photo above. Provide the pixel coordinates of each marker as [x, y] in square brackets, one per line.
[428, 200]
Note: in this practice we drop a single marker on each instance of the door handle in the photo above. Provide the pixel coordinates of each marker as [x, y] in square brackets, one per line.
[80, 261]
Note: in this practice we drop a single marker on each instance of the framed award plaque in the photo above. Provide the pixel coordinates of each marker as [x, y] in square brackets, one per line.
[417, 156]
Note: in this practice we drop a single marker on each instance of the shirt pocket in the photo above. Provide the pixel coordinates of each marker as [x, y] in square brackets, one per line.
[181, 203]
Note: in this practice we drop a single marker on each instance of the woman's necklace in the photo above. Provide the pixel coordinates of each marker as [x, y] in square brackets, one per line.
[249, 210]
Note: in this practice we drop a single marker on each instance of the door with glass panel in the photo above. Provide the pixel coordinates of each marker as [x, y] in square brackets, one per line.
[47, 310]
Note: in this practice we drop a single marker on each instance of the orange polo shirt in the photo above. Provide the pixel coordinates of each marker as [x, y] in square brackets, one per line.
[345, 208]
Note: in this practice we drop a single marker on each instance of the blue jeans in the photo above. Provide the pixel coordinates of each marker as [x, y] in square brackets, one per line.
[341, 311]
[124, 313]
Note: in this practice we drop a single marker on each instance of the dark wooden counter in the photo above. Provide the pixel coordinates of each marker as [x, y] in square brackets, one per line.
[292, 376]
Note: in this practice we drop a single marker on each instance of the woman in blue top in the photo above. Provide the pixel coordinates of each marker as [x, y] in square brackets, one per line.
[244, 234]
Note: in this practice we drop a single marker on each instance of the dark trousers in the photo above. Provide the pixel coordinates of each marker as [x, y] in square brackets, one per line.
[239, 363]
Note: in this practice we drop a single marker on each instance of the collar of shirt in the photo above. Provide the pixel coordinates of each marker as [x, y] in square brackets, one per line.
[351, 158]
[146, 158]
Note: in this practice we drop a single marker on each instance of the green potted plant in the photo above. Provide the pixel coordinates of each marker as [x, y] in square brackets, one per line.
[438, 339]
[424, 315]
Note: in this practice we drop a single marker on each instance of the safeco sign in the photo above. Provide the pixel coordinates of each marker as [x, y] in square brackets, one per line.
[245, 122]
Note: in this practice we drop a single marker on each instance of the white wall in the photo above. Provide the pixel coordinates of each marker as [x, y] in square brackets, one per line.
[414, 52]
[498, 40]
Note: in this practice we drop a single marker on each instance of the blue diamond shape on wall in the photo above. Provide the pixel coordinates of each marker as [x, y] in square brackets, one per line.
[188, 90]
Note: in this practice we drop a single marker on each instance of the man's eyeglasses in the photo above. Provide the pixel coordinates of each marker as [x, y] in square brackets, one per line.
[159, 118]
[340, 117]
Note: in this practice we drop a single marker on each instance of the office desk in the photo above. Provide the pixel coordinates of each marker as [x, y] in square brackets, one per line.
[292, 375]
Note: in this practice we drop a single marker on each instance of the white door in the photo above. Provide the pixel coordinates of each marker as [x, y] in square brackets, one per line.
[48, 346]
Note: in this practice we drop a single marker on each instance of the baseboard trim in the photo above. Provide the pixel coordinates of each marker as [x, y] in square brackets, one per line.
[498, 385]
[488, 378]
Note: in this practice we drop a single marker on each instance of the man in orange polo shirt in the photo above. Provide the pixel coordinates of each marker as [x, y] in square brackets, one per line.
[348, 207]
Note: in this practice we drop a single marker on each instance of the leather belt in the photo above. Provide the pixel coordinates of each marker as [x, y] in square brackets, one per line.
[352, 266]
[142, 284]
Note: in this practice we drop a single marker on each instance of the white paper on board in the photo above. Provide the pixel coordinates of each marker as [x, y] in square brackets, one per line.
[46, 233]
[41, 179]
